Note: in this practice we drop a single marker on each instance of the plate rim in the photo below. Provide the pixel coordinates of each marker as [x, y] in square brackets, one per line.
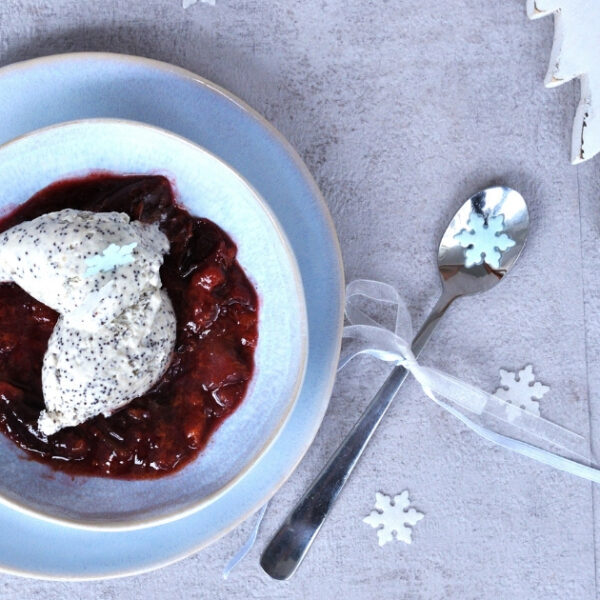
[292, 154]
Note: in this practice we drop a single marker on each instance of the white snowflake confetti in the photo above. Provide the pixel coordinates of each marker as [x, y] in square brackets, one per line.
[484, 241]
[520, 390]
[188, 3]
[393, 517]
[111, 257]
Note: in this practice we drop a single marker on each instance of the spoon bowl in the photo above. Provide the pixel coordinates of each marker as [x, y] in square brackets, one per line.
[495, 220]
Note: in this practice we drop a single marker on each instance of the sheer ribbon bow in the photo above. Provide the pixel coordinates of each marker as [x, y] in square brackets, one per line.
[464, 401]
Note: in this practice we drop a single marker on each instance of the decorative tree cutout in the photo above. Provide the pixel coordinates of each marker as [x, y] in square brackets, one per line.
[575, 54]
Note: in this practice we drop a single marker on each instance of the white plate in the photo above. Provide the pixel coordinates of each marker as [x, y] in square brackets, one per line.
[207, 187]
[38, 93]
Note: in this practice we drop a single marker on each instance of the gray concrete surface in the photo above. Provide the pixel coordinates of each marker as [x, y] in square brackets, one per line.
[401, 110]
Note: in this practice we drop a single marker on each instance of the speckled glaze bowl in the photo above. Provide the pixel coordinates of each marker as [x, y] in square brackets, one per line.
[207, 187]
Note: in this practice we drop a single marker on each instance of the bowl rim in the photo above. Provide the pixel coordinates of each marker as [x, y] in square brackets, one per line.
[131, 523]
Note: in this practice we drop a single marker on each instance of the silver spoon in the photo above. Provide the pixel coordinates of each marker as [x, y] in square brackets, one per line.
[471, 230]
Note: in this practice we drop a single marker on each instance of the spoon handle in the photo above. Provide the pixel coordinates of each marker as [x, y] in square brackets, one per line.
[290, 544]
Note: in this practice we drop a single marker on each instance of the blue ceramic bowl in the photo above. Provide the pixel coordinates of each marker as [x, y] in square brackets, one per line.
[207, 187]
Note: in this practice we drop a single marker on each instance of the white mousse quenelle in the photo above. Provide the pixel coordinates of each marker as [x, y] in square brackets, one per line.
[58, 259]
[116, 331]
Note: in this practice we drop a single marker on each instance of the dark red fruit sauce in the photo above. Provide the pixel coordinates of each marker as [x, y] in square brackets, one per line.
[217, 316]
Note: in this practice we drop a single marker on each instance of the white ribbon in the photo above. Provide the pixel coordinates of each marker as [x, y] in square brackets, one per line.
[247, 545]
[370, 337]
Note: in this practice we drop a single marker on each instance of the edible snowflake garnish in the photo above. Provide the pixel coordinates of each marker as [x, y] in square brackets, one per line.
[521, 390]
[111, 257]
[484, 240]
[393, 517]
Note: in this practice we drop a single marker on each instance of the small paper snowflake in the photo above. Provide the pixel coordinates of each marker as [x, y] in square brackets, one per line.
[484, 240]
[393, 517]
[188, 3]
[521, 390]
[111, 257]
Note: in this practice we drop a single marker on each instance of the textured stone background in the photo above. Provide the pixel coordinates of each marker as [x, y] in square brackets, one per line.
[401, 110]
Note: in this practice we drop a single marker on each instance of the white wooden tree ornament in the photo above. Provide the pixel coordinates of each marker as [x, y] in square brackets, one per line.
[576, 53]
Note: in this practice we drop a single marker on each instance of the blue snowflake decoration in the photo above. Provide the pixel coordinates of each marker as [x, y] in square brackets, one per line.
[484, 241]
[113, 256]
